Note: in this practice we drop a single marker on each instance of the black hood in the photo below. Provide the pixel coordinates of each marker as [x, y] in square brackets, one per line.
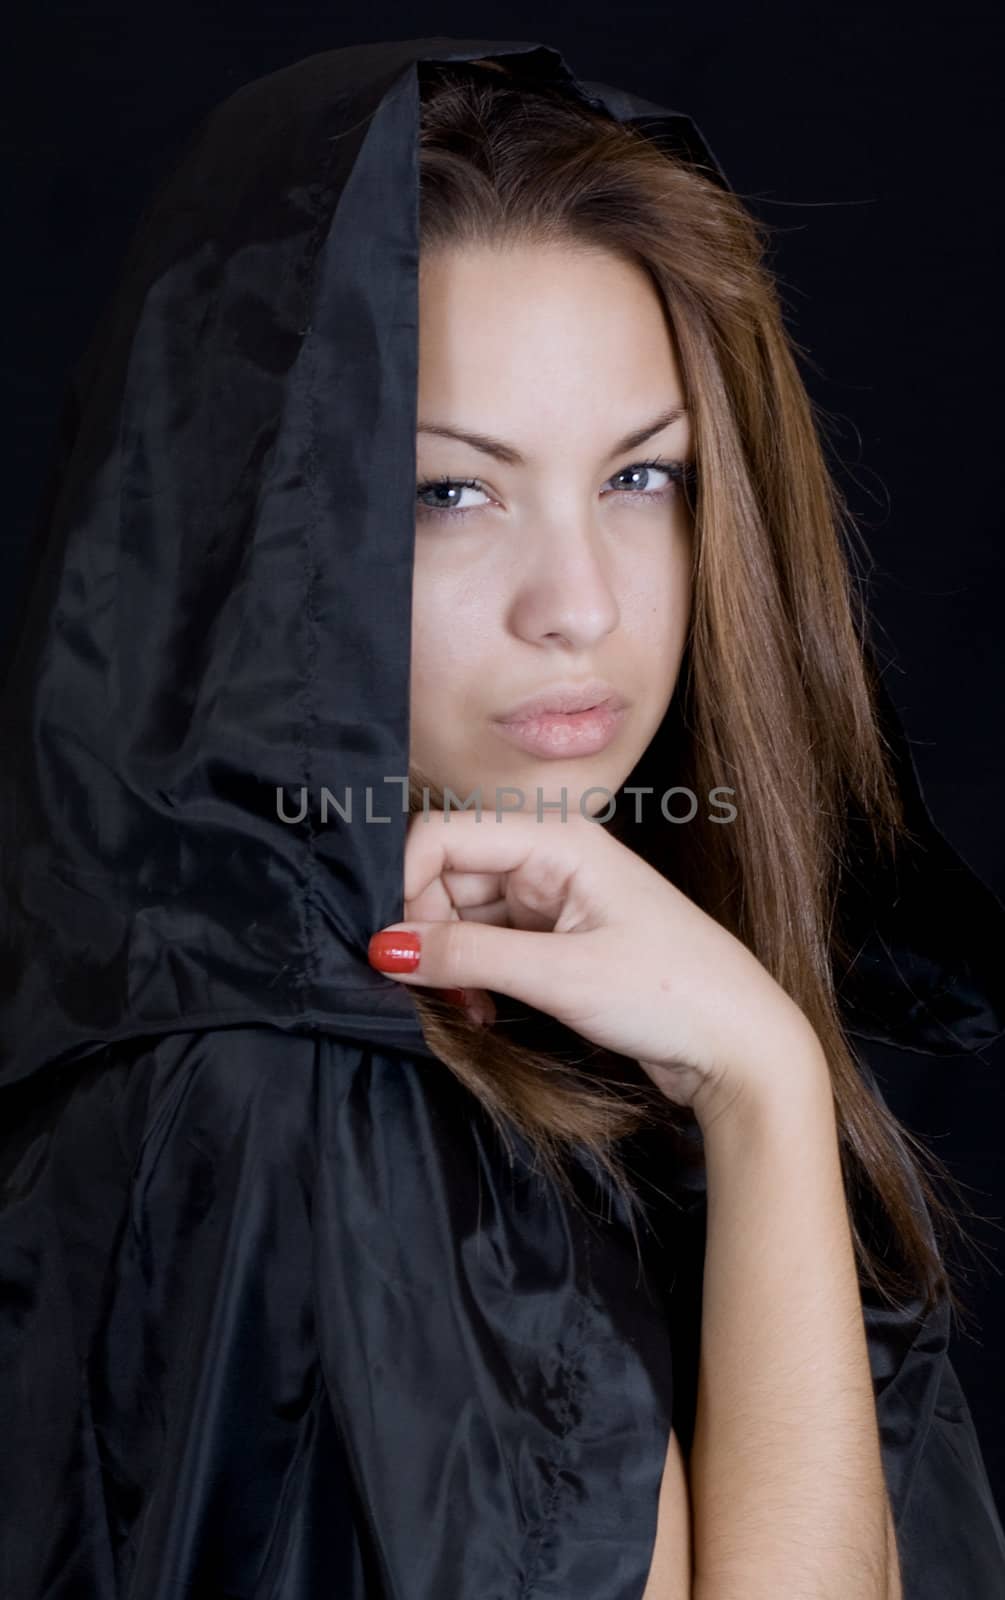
[221, 609]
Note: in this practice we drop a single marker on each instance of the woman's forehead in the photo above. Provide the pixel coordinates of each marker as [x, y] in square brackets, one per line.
[535, 341]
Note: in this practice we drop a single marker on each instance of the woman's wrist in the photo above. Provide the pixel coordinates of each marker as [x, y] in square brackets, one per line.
[785, 1077]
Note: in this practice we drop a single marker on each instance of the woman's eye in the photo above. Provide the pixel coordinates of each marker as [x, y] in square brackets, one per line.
[640, 475]
[444, 496]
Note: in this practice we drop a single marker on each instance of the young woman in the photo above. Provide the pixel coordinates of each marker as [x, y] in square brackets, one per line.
[583, 1258]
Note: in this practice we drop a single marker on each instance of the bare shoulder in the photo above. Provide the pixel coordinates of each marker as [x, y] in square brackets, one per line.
[670, 1573]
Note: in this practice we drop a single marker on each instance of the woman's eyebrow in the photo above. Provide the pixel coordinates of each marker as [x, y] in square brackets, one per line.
[512, 456]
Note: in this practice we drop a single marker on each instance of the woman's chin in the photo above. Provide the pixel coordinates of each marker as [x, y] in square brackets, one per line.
[534, 786]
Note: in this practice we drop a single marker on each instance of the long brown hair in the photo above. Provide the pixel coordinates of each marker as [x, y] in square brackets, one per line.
[774, 694]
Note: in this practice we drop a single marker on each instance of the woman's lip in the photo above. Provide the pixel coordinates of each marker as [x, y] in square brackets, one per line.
[557, 734]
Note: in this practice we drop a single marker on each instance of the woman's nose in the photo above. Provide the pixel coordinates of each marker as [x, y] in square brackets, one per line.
[568, 594]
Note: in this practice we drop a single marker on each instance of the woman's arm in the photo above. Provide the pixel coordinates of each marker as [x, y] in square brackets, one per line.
[787, 1486]
[671, 1573]
[787, 1489]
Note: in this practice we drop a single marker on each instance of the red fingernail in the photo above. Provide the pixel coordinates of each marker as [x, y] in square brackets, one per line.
[394, 952]
[455, 996]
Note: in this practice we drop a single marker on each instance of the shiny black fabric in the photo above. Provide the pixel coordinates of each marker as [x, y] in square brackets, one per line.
[279, 1318]
[280, 1321]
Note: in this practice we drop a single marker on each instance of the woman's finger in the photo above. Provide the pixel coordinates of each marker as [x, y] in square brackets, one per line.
[496, 913]
[537, 968]
[461, 842]
[477, 1004]
[433, 904]
[474, 888]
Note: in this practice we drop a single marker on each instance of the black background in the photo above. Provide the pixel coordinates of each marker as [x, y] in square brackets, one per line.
[868, 138]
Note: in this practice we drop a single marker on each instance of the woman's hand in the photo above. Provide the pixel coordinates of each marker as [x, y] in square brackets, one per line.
[558, 913]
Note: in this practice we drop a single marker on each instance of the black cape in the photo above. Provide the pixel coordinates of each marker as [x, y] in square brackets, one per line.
[278, 1318]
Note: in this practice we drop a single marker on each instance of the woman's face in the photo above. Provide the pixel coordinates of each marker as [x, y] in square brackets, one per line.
[563, 567]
